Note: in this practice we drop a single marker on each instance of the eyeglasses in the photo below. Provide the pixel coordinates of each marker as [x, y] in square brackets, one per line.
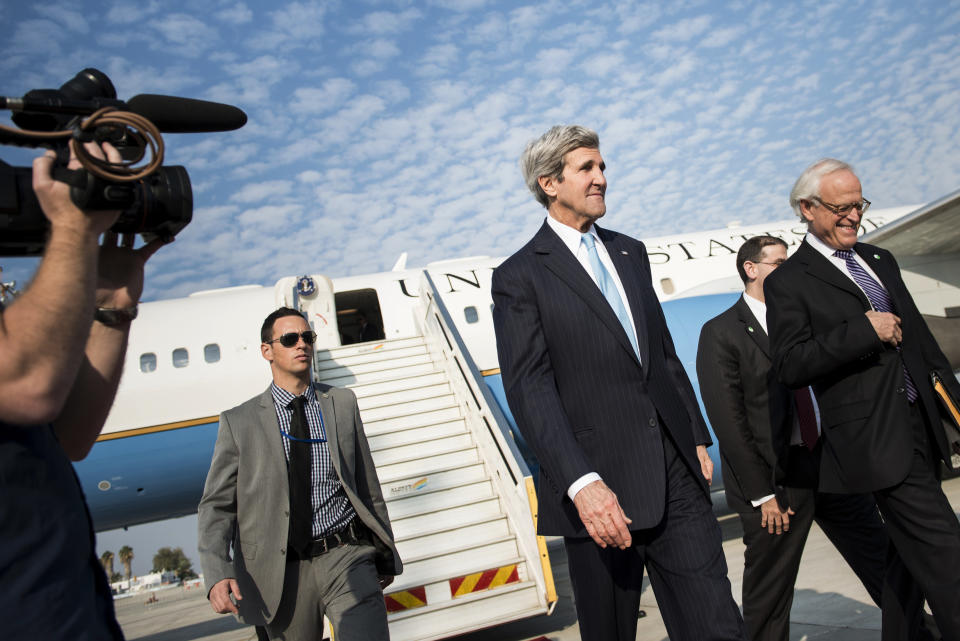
[843, 210]
[292, 338]
[775, 263]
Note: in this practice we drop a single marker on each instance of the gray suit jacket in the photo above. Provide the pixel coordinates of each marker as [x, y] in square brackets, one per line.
[244, 513]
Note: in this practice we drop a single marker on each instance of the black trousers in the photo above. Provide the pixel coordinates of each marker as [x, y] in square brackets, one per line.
[684, 558]
[925, 534]
[772, 561]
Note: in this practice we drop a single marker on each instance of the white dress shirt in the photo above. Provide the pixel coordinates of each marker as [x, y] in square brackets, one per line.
[841, 264]
[573, 240]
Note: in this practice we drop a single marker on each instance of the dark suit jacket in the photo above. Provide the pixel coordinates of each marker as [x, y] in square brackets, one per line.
[575, 387]
[821, 337]
[750, 413]
[244, 513]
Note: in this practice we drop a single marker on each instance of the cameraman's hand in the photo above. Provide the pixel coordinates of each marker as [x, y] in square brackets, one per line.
[120, 270]
[54, 196]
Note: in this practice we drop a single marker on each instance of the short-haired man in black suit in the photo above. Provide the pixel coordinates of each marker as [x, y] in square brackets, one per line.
[759, 422]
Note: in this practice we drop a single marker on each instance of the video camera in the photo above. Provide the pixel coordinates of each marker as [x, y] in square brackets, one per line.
[155, 201]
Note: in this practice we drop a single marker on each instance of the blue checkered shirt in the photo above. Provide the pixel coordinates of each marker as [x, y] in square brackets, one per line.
[331, 507]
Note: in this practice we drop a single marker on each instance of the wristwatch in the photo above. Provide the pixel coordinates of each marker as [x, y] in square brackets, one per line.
[115, 317]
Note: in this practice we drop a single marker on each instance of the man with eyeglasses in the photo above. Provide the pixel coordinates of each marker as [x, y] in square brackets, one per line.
[292, 521]
[770, 449]
[842, 321]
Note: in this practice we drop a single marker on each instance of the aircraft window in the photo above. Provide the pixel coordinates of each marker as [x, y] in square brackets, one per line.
[211, 353]
[470, 313]
[666, 284]
[181, 358]
[148, 362]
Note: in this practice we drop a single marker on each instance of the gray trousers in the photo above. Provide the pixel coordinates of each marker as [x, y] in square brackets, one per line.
[341, 584]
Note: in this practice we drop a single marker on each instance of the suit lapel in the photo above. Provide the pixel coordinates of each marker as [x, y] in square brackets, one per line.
[819, 266]
[330, 427]
[271, 439]
[627, 270]
[884, 269]
[557, 258]
[751, 327]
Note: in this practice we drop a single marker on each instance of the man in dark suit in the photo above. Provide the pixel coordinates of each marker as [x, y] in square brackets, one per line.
[842, 321]
[593, 380]
[292, 521]
[758, 422]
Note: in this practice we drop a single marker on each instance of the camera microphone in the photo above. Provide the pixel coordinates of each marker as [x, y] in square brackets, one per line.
[186, 115]
[170, 114]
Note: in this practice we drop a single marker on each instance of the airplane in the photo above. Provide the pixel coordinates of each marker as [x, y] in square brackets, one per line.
[417, 347]
[190, 358]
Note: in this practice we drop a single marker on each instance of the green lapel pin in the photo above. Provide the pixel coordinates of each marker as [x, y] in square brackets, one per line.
[749, 328]
[876, 256]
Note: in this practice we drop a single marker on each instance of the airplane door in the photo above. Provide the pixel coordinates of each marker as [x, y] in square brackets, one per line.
[313, 295]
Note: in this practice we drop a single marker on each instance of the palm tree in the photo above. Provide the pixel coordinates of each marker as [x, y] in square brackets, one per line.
[106, 559]
[126, 557]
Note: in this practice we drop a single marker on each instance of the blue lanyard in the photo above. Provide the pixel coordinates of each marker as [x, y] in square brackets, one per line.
[323, 430]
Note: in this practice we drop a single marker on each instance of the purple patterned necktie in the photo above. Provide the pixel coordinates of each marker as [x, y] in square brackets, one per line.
[881, 302]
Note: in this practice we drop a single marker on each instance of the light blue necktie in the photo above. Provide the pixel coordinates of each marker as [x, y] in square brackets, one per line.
[609, 290]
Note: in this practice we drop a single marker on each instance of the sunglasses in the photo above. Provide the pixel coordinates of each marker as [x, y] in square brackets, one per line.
[292, 338]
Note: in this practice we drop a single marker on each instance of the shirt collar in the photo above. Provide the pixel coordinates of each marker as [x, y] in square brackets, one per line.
[758, 308]
[820, 246]
[283, 398]
[570, 236]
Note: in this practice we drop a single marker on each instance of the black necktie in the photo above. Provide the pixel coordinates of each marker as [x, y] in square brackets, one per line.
[301, 512]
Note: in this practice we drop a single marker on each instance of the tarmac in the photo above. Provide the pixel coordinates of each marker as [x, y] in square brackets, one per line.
[829, 604]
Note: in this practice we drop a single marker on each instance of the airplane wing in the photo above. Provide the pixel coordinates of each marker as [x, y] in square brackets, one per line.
[926, 244]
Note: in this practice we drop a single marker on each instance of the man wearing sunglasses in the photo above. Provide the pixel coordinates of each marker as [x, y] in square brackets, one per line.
[293, 492]
[842, 321]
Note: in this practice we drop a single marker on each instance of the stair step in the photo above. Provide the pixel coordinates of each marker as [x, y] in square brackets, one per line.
[455, 517]
[508, 602]
[426, 465]
[397, 398]
[419, 406]
[401, 489]
[340, 370]
[421, 450]
[415, 419]
[346, 377]
[416, 434]
[463, 537]
[459, 562]
[441, 499]
[380, 356]
[398, 384]
[363, 348]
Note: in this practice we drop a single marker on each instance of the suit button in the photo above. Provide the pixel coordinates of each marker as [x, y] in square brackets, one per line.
[653, 421]
[286, 512]
[283, 551]
[901, 390]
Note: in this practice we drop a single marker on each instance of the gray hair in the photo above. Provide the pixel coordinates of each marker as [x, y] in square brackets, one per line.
[808, 184]
[544, 156]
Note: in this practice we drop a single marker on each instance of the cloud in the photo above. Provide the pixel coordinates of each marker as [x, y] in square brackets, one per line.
[386, 22]
[236, 14]
[256, 192]
[313, 101]
[684, 30]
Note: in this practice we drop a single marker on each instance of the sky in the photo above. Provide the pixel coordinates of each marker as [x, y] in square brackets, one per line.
[378, 127]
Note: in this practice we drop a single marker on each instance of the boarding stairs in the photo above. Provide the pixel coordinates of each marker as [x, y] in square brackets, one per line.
[459, 501]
